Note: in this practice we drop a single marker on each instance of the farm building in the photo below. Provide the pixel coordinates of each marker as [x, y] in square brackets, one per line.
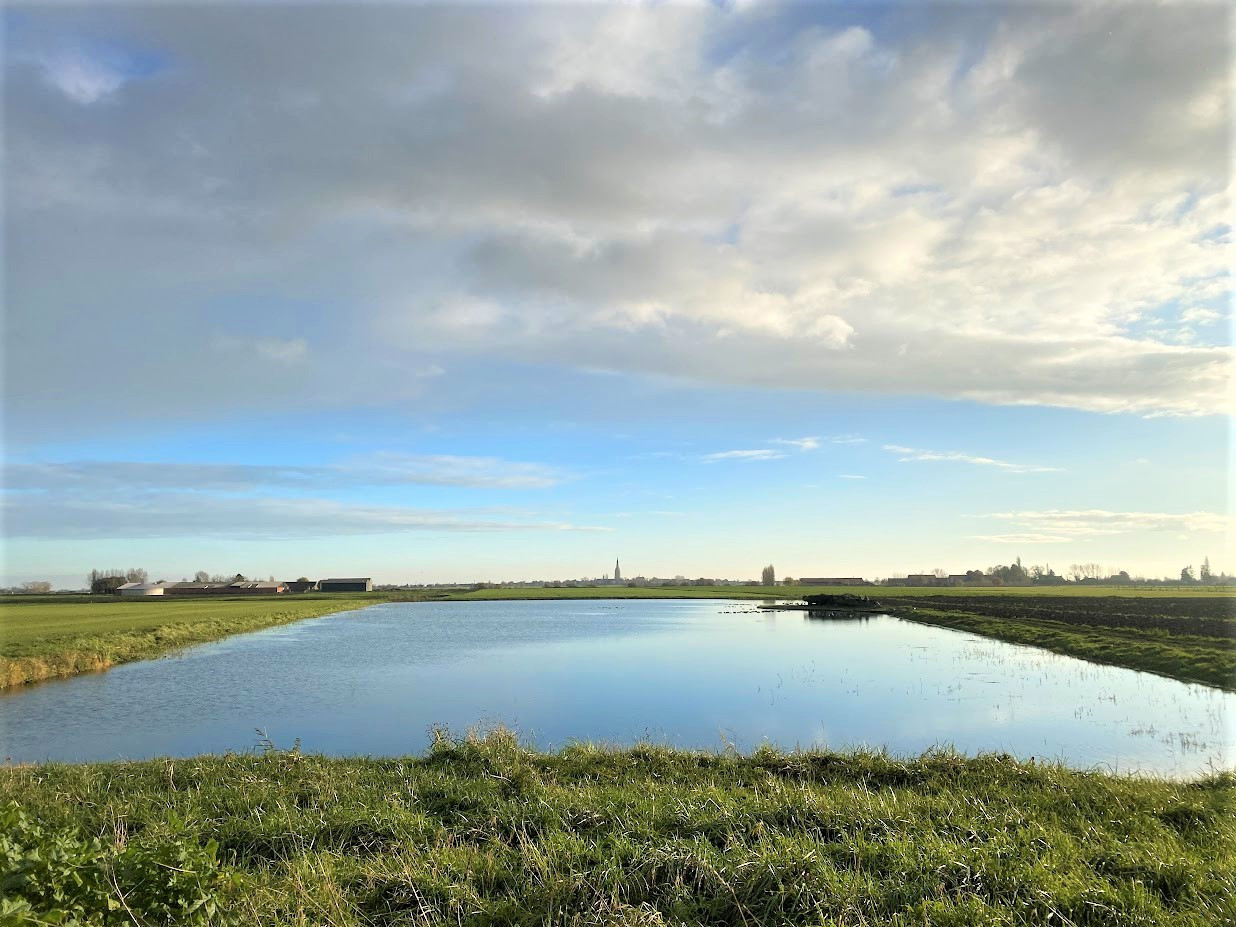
[142, 589]
[197, 589]
[301, 585]
[362, 584]
[256, 588]
[833, 581]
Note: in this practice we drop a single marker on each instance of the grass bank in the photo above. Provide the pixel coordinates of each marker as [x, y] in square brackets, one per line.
[485, 832]
[1198, 658]
[45, 638]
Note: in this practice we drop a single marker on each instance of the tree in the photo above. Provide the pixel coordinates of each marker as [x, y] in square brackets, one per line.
[940, 573]
[787, 581]
[1204, 574]
[36, 587]
[106, 581]
[201, 576]
[136, 575]
[1186, 575]
[768, 576]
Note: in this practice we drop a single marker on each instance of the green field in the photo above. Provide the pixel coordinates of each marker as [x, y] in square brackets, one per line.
[796, 592]
[485, 832]
[44, 637]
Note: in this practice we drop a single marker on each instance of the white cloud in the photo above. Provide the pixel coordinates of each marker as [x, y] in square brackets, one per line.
[848, 439]
[918, 454]
[82, 78]
[803, 444]
[1086, 523]
[757, 454]
[176, 514]
[1021, 538]
[384, 469]
[281, 351]
[850, 476]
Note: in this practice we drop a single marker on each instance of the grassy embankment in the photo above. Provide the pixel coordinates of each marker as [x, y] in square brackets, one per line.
[44, 637]
[486, 832]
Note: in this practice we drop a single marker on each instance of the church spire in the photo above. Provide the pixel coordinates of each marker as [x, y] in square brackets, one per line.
[617, 571]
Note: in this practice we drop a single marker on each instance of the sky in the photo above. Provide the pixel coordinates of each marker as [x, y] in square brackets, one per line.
[499, 292]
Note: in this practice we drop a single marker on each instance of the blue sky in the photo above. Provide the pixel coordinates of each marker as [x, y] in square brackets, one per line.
[440, 294]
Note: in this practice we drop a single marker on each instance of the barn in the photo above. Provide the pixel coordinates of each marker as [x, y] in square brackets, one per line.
[250, 587]
[362, 584]
[141, 589]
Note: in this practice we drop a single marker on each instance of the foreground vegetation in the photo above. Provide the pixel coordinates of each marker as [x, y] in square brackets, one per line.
[482, 831]
[44, 637]
[1191, 639]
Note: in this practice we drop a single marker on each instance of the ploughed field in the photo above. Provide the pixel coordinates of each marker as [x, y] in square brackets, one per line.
[485, 832]
[1191, 638]
[1209, 616]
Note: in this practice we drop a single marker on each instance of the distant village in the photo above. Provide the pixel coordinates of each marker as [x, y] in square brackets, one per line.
[136, 582]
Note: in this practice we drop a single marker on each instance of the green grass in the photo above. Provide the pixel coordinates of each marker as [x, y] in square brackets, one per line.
[485, 832]
[796, 591]
[1189, 658]
[49, 637]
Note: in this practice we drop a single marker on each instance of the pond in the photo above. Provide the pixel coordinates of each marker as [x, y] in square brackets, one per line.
[699, 674]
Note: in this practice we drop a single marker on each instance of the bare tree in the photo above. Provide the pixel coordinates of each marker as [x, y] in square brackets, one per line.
[201, 576]
[136, 575]
[768, 576]
[940, 573]
[38, 587]
[1204, 574]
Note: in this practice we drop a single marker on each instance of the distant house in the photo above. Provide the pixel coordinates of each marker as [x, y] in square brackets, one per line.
[832, 581]
[142, 589]
[362, 584]
[917, 579]
[301, 585]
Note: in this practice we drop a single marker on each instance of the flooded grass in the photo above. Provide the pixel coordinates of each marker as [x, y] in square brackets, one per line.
[1189, 657]
[482, 830]
[57, 638]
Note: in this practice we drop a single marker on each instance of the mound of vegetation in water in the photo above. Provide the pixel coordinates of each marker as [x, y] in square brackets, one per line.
[485, 831]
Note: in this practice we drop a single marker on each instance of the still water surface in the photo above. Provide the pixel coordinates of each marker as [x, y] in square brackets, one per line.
[689, 673]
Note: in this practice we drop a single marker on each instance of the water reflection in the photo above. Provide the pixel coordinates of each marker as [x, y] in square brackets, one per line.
[690, 673]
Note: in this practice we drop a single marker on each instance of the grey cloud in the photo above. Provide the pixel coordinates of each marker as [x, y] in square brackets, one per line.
[965, 212]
